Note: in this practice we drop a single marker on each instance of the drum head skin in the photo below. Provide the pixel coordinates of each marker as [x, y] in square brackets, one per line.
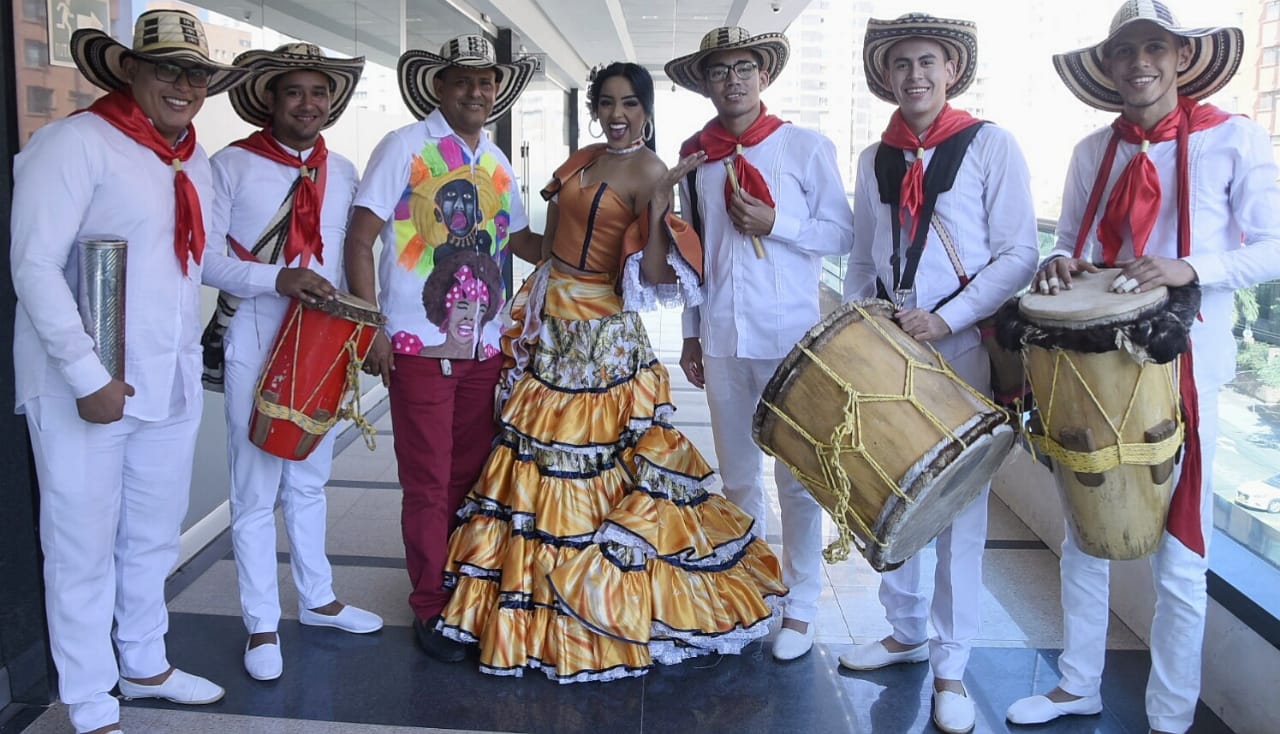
[1090, 301]
[352, 308]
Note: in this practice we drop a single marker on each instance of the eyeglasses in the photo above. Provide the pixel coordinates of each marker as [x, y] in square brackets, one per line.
[743, 70]
[197, 76]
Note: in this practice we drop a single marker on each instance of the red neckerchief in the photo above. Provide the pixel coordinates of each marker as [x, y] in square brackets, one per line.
[303, 240]
[719, 143]
[1135, 201]
[123, 113]
[899, 135]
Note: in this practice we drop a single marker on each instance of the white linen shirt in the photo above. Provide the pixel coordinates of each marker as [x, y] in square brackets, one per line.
[991, 217]
[385, 183]
[81, 177]
[759, 308]
[1235, 222]
[249, 190]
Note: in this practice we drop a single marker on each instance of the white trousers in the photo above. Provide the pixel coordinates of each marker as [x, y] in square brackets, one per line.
[955, 609]
[112, 499]
[257, 480]
[733, 388]
[1177, 629]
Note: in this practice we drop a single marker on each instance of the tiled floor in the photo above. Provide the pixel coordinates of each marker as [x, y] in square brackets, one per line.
[336, 683]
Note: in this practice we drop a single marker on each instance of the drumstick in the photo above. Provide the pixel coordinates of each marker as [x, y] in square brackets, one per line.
[733, 180]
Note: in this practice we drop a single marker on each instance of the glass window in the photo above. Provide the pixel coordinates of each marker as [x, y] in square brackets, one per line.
[35, 53]
[34, 10]
[39, 100]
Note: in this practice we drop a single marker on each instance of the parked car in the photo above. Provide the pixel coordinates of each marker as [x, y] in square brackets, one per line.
[1260, 494]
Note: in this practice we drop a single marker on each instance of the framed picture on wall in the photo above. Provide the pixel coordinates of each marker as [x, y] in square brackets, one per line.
[68, 16]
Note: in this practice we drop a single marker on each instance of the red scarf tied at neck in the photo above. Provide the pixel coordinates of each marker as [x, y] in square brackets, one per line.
[1135, 202]
[303, 241]
[123, 113]
[718, 143]
[949, 122]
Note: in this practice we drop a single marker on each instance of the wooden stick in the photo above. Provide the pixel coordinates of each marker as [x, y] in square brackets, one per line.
[733, 181]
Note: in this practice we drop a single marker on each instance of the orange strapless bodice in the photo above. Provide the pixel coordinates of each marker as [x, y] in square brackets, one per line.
[591, 225]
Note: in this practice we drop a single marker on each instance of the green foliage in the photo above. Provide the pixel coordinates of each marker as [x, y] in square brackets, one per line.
[1246, 307]
[1258, 361]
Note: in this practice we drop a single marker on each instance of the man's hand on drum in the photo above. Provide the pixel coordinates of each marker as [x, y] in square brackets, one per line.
[921, 325]
[106, 404]
[381, 360]
[691, 362]
[1056, 275]
[1149, 272]
[305, 285]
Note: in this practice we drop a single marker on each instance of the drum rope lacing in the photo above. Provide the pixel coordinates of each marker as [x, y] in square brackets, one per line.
[835, 479]
[1109, 457]
[351, 386]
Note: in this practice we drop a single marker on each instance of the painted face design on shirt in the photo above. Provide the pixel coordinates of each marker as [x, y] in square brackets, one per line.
[456, 207]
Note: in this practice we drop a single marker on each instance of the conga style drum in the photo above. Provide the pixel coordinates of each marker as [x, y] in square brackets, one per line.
[880, 430]
[1101, 367]
[312, 367]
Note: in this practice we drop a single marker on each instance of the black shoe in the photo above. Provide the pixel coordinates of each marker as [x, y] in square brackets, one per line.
[435, 644]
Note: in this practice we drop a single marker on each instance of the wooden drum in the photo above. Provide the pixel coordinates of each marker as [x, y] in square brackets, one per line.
[312, 367]
[883, 434]
[1101, 367]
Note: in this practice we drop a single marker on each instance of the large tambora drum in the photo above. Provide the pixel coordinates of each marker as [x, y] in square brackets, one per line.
[313, 365]
[883, 434]
[1101, 367]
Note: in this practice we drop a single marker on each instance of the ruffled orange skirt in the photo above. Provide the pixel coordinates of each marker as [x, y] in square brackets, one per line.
[589, 548]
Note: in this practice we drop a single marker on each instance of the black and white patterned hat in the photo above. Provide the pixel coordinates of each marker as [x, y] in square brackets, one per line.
[773, 49]
[1215, 57]
[158, 35]
[249, 100]
[958, 37]
[418, 69]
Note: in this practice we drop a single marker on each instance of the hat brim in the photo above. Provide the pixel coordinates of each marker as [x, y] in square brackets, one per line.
[958, 37]
[249, 100]
[100, 58]
[774, 50]
[1215, 58]
[417, 70]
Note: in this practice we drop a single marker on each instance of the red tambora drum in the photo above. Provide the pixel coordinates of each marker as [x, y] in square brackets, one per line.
[313, 365]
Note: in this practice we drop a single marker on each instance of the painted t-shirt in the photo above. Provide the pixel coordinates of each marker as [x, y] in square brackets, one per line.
[449, 212]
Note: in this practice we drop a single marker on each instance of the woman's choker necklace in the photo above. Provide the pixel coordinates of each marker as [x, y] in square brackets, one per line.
[624, 151]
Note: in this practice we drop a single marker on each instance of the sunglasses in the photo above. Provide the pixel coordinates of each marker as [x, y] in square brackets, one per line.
[197, 76]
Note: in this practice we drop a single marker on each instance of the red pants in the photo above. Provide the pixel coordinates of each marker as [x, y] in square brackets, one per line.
[444, 429]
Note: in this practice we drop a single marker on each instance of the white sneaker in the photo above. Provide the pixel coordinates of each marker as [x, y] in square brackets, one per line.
[1041, 710]
[790, 644]
[953, 713]
[264, 662]
[350, 619]
[179, 687]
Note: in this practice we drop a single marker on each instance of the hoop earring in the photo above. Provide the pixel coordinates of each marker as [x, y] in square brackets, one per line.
[595, 134]
[646, 130]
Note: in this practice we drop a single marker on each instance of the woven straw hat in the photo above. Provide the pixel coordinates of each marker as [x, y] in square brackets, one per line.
[249, 100]
[1215, 57]
[418, 69]
[958, 37]
[158, 35]
[773, 49]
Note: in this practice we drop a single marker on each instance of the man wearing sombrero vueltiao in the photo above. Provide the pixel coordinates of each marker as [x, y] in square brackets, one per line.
[955, 263]
[114, 456]
[756, 308]
[441, 193]
[281, 210]
[1175, 192]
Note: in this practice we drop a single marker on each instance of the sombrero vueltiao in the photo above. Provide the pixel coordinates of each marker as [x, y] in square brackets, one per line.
[158, 35]
[773, 49]
[417, 71]
[959, 38]
[1215, 57]
[249, 100]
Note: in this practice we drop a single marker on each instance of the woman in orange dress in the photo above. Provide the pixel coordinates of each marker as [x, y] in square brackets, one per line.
[590, 548]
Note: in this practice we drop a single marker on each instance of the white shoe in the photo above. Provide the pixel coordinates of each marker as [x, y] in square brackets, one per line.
[1041, 710]
[350, 619]
[953, 713]
[179, 687]
[790, 644]
[874, 655]
[264, 661]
